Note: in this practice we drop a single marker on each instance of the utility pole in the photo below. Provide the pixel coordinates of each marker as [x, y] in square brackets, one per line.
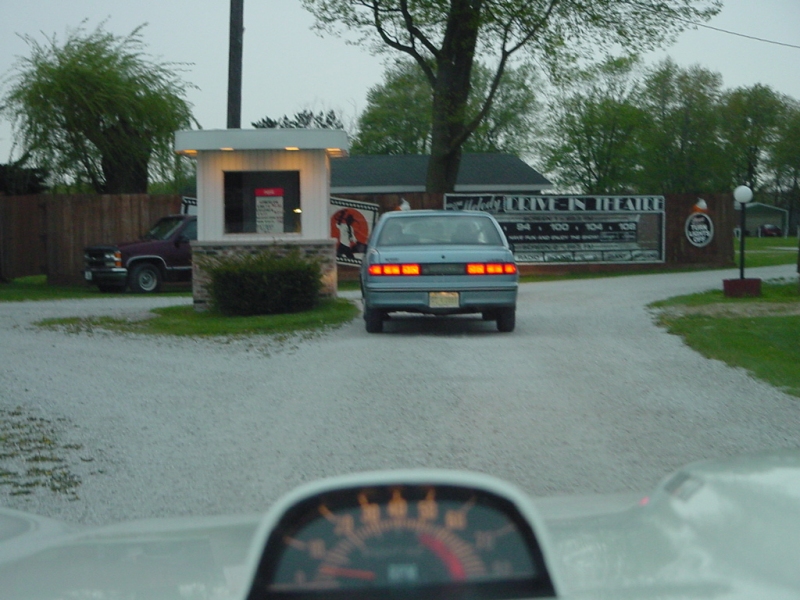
[235, 65]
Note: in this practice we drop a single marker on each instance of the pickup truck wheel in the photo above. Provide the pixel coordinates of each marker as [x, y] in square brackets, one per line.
[145, 279]
[506, 319]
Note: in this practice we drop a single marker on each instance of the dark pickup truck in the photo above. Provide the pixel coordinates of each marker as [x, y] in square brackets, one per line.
[162, 255]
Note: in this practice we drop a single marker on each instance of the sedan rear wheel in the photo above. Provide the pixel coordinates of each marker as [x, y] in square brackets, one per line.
[374, 320]
[506, 319]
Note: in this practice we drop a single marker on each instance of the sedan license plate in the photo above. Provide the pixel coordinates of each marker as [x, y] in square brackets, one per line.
[443, 300]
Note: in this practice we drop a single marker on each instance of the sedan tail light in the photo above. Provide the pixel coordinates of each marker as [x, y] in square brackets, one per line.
[404, 269]
[491, 268]
[469, 269]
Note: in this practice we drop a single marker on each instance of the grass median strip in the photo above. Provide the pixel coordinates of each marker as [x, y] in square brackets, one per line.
[761, 335]
[185, 321]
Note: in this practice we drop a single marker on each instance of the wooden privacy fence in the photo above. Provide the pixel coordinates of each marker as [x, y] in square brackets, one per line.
[46, 234]
[23, 248]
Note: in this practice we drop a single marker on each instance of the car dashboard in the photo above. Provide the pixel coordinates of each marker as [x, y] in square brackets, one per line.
[714, 529]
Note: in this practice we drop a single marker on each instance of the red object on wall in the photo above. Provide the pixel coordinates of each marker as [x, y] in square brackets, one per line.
[262, 192]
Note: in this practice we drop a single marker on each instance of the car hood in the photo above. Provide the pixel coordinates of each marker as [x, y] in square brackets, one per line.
[129, 246]
[722, 529]
[136, 244]
[159, 558]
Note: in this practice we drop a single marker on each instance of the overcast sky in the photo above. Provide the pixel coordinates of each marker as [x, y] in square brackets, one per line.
[287, 67]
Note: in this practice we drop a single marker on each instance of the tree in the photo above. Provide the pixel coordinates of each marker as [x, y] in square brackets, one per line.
[96, 109]
[305, 119]
[444, 37]
[18, 180]
[592, 132]
[751, 117]
[680, 145]
[512, 121]
[784, 161]
[397, 119]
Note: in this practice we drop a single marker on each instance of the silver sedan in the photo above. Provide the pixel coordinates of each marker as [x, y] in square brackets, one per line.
[439, 263]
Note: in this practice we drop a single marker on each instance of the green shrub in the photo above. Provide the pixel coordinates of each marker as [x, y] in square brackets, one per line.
[264, 284]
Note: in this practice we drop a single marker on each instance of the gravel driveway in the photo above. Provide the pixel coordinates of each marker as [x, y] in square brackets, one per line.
[586, 396]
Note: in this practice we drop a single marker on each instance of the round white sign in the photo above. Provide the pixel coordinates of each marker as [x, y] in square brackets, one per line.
[699, 229]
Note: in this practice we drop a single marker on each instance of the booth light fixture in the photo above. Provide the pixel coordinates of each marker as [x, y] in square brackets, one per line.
[297, 210]
[335, 152]
[227, 149]
[189, 152]
[292, 148]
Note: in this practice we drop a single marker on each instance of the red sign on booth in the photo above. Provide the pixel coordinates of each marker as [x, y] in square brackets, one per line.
[262, 192]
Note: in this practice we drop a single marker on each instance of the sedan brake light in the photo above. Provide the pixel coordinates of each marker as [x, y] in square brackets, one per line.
[491, 268]
[403, 269]
[414, 269]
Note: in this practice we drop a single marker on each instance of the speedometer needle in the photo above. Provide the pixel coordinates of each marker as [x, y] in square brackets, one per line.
[450, 560]
[349, 573]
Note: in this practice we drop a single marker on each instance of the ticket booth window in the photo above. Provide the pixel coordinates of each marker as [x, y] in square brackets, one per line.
[262, 202]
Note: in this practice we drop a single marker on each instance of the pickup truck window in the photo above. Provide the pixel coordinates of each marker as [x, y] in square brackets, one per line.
[163, 229]
[190, 231]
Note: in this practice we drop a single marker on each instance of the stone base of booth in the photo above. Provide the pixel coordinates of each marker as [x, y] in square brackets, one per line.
[739, 288]
[322, 250]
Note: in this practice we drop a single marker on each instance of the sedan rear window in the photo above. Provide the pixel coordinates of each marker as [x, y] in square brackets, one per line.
[436, 230]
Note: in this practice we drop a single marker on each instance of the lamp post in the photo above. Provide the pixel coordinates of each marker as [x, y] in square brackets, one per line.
[742, 195]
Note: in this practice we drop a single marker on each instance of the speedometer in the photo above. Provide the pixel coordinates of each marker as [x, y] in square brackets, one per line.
[443, 539]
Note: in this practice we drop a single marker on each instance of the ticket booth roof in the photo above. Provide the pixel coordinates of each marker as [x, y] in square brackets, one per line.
[334, 141]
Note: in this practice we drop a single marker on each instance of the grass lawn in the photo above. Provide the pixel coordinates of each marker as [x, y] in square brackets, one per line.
[767, 252]
[761, 335]
[772, 292]
[23, 289]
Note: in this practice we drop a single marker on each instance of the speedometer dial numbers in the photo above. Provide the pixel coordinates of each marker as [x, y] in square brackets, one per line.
[400, 537]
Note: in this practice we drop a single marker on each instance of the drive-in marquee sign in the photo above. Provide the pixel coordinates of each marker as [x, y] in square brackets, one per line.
[575, 229]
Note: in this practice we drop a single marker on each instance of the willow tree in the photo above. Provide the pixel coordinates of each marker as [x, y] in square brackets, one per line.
[445, 36]
[96, 109]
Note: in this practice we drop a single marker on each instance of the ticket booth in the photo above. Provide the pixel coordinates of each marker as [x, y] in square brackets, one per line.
[262, 189]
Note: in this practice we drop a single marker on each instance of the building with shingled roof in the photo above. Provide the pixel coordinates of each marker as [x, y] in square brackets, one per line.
[386, 179]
